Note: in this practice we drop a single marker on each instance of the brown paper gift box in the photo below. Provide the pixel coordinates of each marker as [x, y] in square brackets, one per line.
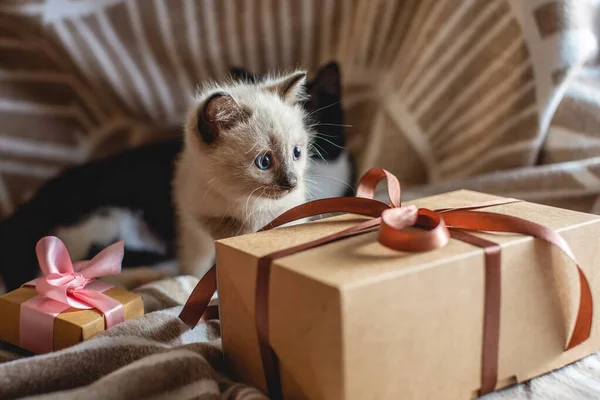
[356, 320]
[71, 326]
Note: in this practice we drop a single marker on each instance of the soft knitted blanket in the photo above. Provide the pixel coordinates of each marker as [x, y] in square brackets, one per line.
[152, 357]
[157, 357]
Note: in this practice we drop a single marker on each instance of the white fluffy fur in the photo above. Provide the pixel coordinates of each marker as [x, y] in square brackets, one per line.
[206, 188]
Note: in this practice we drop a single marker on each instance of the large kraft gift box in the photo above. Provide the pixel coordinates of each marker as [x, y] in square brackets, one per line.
[356, 320]
[67, 304]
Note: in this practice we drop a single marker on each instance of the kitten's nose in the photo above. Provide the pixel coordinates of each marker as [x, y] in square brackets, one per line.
[288, 182]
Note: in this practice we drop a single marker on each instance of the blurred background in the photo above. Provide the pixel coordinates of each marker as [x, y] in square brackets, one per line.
[500, 96]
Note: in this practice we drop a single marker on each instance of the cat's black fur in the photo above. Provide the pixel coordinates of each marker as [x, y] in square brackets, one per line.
[138, 180]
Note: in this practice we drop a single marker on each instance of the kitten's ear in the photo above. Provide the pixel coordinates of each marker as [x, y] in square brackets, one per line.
[327, 80]
[218, 113]
[290, 88]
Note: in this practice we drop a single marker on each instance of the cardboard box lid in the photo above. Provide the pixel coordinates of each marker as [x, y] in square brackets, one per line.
[360, 260]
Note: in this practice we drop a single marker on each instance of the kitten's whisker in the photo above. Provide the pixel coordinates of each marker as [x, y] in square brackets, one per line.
[238, 200]
[310, 193]
[229, 223]
[334, 180]
[262, 194]
[328, 124]
[252, 148]
[312, 160]
[314, 183]
[211, 183]
[254, 209]
[318, 134]
[323, 108]
[319, 154]
[258, 198]
[250, 195]
[333, 144]
[315, 145]
[239, 230]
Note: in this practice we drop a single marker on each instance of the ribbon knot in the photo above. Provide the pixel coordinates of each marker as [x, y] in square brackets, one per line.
[72, 283]
[77, 282]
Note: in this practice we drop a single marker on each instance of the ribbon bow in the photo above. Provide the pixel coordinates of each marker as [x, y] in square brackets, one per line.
[69, 283]
[436, 229]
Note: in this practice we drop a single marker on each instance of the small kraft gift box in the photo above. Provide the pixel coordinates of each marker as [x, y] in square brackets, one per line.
[447, 297]
[67, 304]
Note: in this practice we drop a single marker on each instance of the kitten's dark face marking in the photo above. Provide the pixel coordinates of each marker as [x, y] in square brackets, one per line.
[220, 112]
[324, 107]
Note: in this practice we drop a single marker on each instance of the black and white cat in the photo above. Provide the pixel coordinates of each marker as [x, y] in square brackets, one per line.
[128, 196]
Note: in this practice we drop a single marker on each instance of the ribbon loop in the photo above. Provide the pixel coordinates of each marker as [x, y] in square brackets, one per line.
[53, 256]
[106, 263]
[368, 184]
[62, 283]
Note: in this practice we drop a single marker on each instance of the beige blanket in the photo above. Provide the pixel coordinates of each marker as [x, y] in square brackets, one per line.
[153, 357]
[157, 357]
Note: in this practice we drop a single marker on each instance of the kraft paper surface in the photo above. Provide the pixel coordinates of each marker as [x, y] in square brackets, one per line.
[353, 316]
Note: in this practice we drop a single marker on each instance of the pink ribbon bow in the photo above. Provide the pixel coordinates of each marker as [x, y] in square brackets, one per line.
[68, 285]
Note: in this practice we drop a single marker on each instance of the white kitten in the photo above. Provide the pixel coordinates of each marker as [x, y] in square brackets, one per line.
[243, 163]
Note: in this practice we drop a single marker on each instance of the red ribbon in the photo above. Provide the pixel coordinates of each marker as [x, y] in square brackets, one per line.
[437, 226]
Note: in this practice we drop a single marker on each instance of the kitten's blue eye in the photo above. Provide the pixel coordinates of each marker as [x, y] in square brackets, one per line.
[297, 152]
[263, 161]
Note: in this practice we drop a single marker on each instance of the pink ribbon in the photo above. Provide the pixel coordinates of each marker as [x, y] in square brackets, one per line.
[67, 285]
